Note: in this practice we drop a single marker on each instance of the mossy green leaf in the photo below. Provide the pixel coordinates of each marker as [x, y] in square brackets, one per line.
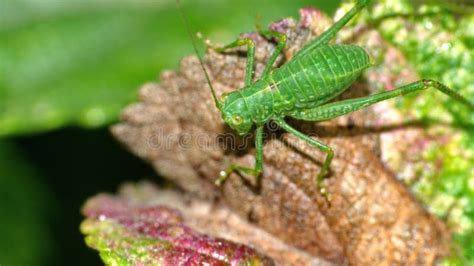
[438, 45]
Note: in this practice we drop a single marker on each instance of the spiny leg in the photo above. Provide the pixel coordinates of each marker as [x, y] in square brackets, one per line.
[330, 33]
[280, 46]
[323, 147]
[250, 171]
[335, 109]
[250, 55]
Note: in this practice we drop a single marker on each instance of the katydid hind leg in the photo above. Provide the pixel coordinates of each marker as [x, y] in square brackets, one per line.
[336, 109]
[330, 33]
[321, 146]
[256, 171]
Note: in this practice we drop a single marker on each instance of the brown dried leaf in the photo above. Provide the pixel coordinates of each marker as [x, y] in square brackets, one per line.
[372, 220]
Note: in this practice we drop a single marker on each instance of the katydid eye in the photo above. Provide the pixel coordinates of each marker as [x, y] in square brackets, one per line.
[224, 96]
[237, 120]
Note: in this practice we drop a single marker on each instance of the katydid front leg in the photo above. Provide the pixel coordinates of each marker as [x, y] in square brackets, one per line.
[257, 170]
[249, 71]
[281, 37]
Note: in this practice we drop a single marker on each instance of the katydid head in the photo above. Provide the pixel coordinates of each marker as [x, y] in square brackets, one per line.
[235, 113]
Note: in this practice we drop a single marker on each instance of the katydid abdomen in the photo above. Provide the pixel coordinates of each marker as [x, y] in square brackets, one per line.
[319, 76]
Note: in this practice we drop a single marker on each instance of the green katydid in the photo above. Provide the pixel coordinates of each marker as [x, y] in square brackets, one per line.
[301, 89]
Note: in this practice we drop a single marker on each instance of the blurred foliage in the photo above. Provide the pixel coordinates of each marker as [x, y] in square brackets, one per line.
[24, 210]
[79, 62]
[457, 6]
[440, 46]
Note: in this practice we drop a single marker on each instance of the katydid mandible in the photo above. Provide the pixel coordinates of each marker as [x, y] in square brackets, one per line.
[301, 89]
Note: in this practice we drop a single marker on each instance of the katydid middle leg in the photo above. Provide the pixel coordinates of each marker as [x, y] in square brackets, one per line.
[321, 146]
[330, 33]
